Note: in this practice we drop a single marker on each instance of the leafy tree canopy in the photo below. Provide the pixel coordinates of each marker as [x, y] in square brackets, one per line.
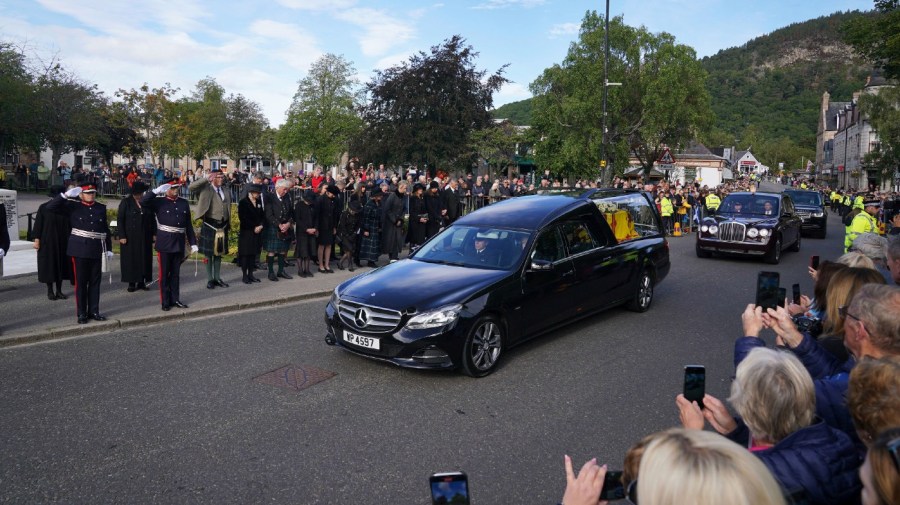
[877, 36]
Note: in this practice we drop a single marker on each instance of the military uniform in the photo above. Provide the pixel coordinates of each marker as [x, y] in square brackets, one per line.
[89, 243]
[173, 224]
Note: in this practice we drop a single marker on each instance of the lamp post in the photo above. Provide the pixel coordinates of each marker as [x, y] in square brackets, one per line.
[605, 169]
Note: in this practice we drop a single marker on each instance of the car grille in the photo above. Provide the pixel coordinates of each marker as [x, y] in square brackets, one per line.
[803, 214]
[374, 319]
[731, 231]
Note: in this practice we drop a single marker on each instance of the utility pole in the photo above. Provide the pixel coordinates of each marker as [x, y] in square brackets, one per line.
[604, 172]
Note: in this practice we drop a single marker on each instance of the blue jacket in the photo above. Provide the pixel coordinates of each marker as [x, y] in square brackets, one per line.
[89, 218]
[175, 213]
[830, 376]
[818, 460]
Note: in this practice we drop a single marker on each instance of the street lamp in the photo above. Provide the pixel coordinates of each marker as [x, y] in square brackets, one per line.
[606, 84]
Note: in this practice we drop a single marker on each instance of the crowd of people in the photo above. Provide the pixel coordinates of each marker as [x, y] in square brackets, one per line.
[816, 418]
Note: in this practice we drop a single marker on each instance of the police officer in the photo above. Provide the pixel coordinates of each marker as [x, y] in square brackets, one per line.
[864, 222]
[712, 202]
[173, 224]
[89, 246]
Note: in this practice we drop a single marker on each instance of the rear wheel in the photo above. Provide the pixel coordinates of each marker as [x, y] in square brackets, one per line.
[643, 294]
[774, 256]
[483, 347]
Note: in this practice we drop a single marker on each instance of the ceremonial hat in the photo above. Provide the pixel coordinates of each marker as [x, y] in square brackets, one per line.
[872, 203]
[174, 183]
[88, 188]
[333, 189]
[139, 187]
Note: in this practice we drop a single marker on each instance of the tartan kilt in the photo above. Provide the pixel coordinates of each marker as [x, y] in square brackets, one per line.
[206, 240]
[273, 244]
[370, 247]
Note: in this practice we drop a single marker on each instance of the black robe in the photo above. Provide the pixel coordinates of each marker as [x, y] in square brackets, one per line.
[250, 216]
[325, 219]
[53, 230]
[435, 204]
[137, 225]
[417, 229]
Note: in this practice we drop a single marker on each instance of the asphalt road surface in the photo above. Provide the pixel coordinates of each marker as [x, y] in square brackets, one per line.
[172, 413]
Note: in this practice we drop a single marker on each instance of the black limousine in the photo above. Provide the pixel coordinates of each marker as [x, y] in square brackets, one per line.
[501, 275]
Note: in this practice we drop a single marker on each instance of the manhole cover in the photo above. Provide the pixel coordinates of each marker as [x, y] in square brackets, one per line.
[295, 377]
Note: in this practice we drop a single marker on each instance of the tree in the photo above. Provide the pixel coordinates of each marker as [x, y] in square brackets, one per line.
[424, 110]
[883, 109]
[877, 36]
[323, 115]
[68, 111]
[496, 144]
[244, 124]
[150, 107]
[204, 114]
[118, 133]
[662, 102]
[17, 104]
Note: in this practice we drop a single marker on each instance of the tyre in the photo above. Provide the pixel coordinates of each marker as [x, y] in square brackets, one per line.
[796, 246]
[774, 256]
[701, 253]
[483, 347]
[643, 293]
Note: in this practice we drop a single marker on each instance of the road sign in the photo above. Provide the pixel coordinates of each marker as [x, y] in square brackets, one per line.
[665, 166]
[666, 158]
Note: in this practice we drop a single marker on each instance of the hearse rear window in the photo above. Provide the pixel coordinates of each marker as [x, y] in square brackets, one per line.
[629, 216]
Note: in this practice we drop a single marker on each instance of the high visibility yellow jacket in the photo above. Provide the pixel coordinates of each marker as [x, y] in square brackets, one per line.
[862, 223]
[712, 201]
[665, 207]
[847, 200]
[858, 203]
[834, 196]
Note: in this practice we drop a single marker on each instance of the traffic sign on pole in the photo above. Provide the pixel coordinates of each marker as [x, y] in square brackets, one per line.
[666, 158]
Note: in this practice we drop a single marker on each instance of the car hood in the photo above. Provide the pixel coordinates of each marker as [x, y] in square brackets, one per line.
[417, 284]
[763, 221]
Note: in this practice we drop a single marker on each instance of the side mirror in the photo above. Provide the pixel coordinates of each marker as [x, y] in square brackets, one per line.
[541, 265]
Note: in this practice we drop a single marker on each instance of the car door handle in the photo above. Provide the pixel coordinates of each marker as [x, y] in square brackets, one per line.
[570, 272]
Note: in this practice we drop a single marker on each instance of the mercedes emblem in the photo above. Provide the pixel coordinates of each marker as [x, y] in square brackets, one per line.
[361, 318]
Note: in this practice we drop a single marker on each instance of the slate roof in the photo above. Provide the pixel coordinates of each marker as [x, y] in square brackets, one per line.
[832, 113]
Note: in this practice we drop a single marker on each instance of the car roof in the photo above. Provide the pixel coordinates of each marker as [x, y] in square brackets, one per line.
[758, 193]
[523, 212]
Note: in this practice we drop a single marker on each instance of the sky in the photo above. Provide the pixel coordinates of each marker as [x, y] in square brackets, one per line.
[262, 48]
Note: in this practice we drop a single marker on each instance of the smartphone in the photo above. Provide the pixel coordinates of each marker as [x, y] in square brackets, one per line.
[814, 262]
[767, 290]
[613, 489]
[795, 294]
[449, 487]
[782, 297]
[695, 383]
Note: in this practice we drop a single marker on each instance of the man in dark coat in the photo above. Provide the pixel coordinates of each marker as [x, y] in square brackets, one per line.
[452, 201]
[370, 229]
[279, 231]
[418, 216]
[51, 238]
[392, 236]
[173, 226]
[436, 210]
[252, 218]
[306, 220]
[89, 245]
[136, 227]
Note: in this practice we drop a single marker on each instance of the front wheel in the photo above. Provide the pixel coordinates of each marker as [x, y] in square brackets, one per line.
[483, 347]
[643, 294]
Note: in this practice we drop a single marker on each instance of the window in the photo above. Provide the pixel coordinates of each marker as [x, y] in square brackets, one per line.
[630, 216]
[549, 247]
[578, 237]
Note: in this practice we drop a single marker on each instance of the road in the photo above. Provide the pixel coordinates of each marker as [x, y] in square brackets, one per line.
[172, 414]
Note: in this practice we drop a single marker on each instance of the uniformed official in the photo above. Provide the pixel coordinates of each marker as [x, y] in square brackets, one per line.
[89, 246]
[864, 222]
[214, 208]
[173, 224]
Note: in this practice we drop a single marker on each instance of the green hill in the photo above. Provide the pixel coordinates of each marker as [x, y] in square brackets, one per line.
[772, 84]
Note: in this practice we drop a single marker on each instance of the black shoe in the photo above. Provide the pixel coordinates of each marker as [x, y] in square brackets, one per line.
[131, 288]
[211, 285]
[166, 308]
[340, 265]
[60, 296]
[351, 267]
[284, 275]
[221, 283]
[371, 264]
[51, 296]
[273, 277]
[82, 319]
[180, 304]
[246, 280]
[254, 279]
[329, 271]
[96, 316]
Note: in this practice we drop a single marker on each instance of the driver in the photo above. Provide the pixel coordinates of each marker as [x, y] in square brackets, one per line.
[767, 208]
[738, 207]
[482, 251]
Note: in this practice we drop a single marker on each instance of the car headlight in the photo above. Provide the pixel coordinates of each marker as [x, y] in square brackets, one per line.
[714, 229]
[704, 228]
[334, 298]
[435, 318]
[752, 233]
[764, 232]
[818, 214]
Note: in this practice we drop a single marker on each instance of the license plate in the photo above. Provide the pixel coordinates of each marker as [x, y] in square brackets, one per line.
[367, 342]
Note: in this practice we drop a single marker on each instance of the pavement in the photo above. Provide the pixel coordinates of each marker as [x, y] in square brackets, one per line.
[27, 316]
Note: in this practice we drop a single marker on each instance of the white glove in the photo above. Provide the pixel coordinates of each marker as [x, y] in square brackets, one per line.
[72, 193]
[109, 255]
[2, 253]
[194, 249]
[161, 190]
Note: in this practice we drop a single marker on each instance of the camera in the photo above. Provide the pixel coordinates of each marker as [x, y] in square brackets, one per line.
[809, 325]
